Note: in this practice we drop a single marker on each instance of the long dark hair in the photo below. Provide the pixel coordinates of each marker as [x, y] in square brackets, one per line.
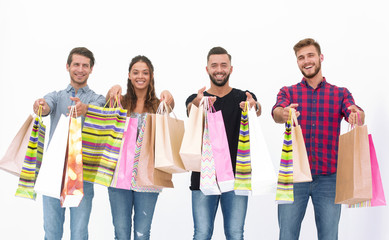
[130, 98]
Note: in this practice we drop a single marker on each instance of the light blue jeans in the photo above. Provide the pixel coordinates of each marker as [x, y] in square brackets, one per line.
[204, 210]
[54, 216]
[327, 213]
[122, 202]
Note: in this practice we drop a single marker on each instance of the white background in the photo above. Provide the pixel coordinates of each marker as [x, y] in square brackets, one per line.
[36, 37]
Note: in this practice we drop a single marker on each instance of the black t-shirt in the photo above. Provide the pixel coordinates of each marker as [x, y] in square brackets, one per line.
[231, 111]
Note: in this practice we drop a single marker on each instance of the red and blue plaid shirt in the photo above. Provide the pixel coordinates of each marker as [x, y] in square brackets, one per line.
[321, 112]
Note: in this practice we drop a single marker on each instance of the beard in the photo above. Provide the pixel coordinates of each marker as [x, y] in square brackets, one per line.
[309, 76]
[222, 83]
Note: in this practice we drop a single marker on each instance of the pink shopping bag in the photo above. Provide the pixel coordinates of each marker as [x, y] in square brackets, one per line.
[221, 152]
[378, 196]
[124, 166]
[378, 190]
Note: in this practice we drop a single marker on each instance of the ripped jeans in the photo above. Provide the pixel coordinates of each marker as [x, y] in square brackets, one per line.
[122, 202]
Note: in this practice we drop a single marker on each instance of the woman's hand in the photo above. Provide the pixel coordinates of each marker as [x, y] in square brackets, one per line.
[167, 97]
[115, 90]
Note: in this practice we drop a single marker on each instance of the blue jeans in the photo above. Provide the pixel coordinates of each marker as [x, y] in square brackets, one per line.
[327, 213]
[54, 216]
[204, 208]
[122, 201]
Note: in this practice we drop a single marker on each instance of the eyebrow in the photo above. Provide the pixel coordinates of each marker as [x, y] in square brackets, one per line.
[222, 63]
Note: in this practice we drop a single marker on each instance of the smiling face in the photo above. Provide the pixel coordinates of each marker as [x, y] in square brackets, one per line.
[79, 70]
[309, 61]
[219, 69]
[140, 75]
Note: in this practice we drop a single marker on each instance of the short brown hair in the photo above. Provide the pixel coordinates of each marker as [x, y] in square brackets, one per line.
[83, 52]
[305, 43]
[218, 51]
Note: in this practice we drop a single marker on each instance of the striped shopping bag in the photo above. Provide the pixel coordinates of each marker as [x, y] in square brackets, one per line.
[284, 193]
[242, 184]
[33, 159]
[101, 140]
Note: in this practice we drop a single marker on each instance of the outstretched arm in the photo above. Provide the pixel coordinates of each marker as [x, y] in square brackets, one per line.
[281, 115]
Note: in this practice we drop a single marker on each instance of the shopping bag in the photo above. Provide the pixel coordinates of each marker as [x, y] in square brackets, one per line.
[190, 150]
[263, 174]
[208, 184]
[353, 178]
[284, 193]
[49, 181]
[33, 159]
[72, 182]
[13, 158]
[378, 195]
[301, 168]
[144, 174]
[123, 171]
[242, 185]
[169, 132]
[220, 150]
[101, 140]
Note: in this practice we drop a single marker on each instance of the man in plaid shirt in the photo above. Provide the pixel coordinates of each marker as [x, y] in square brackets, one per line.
[320, 107]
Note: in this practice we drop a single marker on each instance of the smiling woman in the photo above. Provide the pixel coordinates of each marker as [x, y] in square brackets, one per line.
[140, 75]
[139, 100]
[176, 35]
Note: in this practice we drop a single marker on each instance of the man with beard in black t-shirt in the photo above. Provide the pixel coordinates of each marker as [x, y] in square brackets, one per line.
[230, 101]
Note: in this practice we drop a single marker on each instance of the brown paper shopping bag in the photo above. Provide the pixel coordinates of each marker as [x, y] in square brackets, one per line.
[190, 150]
[301, 168]
[13, 158]
[169, 132]
[353, 178]
[147, 175]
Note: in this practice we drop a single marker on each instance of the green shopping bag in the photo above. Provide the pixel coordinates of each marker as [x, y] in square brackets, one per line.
[102, 136]
[33, 159]
[284, 193]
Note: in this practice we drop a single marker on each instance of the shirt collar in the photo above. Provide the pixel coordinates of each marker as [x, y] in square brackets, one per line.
[321, 84]
[71, 88]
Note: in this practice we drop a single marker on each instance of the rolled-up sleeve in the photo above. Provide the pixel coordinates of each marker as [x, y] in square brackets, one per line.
[348, 101]
[283, 99]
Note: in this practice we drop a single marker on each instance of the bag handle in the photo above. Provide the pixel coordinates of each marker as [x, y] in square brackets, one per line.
[293, 117]
[204, 103]
[113, 104]
[40, 111]
[246, 106]
[165, 109]
[73, 109]
[208, 104]
[352, 126]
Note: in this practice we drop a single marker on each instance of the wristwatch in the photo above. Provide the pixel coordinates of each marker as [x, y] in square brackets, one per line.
[257, 106]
